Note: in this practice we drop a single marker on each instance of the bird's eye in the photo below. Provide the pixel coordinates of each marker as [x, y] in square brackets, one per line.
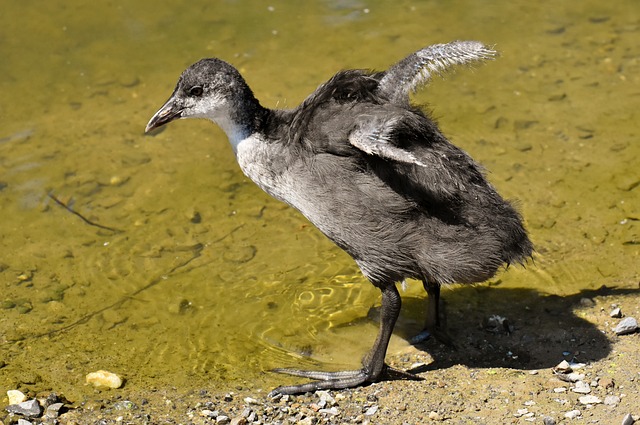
[196, 91]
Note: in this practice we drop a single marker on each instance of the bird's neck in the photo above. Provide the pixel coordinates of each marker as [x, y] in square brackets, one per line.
[242, 122]
[235, 131]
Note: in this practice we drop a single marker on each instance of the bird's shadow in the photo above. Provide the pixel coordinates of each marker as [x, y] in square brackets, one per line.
[540, 329]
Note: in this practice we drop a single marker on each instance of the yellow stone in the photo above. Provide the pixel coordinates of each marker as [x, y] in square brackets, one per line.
[15, 397]
[103, 378]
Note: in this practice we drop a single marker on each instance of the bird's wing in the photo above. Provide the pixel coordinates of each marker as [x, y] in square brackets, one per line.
[374, 135]
[417, 68]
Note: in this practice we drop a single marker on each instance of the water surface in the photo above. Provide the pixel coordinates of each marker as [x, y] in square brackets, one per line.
[196, 278]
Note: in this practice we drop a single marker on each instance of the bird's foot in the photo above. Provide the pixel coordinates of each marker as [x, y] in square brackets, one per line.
[438, 333]
[323, 380]
[337, 380]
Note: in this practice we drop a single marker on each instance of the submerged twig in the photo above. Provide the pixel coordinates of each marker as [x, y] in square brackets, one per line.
[83, 218]
[197, 252]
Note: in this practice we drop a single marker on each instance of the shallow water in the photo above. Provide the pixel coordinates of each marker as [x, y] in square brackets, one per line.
[197, 278]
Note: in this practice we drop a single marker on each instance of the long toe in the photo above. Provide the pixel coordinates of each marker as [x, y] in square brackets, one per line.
[338, 380]
[325, 381]
[391, 373]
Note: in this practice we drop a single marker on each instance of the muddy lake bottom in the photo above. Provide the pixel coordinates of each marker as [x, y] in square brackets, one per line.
[493, 377]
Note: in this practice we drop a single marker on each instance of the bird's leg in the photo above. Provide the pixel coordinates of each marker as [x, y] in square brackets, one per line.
[373, 364]
[433, 305]
[432, 324]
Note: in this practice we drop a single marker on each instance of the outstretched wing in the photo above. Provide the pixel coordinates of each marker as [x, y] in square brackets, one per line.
[417, 68]
[374, 135]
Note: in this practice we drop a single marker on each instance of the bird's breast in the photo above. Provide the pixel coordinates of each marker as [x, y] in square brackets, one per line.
[266, 164]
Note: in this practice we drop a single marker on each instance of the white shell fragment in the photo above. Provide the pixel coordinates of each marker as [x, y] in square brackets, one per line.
[103, 378]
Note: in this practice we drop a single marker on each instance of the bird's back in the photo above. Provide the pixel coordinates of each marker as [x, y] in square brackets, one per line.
[441, 221]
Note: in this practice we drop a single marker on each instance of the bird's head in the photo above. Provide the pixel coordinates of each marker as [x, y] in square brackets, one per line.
[212, 89]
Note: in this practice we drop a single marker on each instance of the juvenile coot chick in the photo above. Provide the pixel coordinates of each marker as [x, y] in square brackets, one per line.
[373, 173]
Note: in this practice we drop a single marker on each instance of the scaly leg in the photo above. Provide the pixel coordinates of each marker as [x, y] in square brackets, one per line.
[433, 305]
[432, 324]
[373, 364]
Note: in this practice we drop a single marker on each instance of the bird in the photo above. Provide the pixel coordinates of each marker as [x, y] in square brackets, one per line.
[375, 174]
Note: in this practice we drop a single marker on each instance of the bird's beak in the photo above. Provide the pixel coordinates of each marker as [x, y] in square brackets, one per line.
[169, 112]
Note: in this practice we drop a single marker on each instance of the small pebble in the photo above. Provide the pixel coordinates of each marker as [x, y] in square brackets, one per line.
[16, 396]
[572, 414]
[589, 399]
[326, 398]
[587, 302]
[240, 420]
[117, 180]
[333, 411]
[223, 420]
[103, 378]
[606, 382]
[371, 411]
[206, 413]
[581, 387]
[434, 416]
[30, 408]
[53, 410]
[24, 422]
[563, 367]
[616, 312]
[307, 421]
[547, 420]
[574, 377]
[250, 400]
[124, 405]
[93, 405]
[497, 324]
[611, 400]
[626, 326]
[628, 419]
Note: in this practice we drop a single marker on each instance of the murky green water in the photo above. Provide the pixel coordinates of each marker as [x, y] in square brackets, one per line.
[205, 280]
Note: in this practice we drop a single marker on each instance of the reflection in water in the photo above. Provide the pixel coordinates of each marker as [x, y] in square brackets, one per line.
[212, 280]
